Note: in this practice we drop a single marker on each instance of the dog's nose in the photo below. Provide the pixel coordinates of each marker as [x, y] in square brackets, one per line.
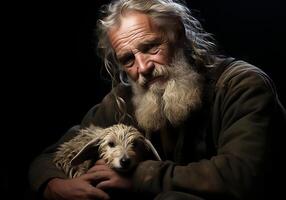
[125, 162]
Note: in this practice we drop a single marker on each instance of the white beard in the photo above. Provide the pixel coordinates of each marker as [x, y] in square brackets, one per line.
[171, 101]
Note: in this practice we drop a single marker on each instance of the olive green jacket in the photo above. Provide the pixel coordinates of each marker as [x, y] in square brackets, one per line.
[227, 150]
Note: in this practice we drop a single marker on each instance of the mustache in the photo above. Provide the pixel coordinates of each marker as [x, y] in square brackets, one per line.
[159, 71]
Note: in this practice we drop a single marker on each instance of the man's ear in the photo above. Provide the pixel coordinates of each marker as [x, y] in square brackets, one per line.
[89, 151]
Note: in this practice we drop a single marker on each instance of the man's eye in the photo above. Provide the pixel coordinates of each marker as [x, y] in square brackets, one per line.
[151, 48]
[127, 61]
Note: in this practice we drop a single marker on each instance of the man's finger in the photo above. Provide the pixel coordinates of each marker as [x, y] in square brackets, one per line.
[104, 185]
[98, 168]
[97, 193]
[100, 162]
[98, 176]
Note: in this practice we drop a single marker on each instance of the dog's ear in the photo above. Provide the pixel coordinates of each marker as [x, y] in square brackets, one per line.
[89, 151]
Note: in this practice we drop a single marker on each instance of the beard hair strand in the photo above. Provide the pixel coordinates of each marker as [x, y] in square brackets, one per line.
[154, 107]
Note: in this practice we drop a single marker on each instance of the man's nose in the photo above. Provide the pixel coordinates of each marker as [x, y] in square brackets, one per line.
[144, 64]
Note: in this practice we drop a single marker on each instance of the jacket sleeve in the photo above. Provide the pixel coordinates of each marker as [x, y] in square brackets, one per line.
[244, 109]
[43, 169]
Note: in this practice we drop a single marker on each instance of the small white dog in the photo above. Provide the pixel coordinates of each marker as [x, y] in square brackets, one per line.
[122, 147]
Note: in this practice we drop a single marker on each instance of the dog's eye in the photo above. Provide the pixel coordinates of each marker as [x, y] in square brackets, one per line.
[111, 144]
[135, 143]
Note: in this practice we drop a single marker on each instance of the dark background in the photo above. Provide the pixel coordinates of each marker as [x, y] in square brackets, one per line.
[53, 75]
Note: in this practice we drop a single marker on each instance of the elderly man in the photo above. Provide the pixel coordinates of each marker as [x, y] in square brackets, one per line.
[214, 120]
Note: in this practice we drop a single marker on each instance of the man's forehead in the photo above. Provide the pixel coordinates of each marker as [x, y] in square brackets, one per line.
[133, 25]
[131, 18]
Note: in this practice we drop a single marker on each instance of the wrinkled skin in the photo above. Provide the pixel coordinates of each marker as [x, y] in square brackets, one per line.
[139, 46]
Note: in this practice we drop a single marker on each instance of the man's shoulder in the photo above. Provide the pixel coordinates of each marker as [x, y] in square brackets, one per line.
[122, 90]
[240, 73]
[104, 113]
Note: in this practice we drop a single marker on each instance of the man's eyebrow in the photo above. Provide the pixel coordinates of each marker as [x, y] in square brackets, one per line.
[142, 45]
[150, 41]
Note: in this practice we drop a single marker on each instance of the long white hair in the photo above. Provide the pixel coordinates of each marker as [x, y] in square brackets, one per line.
[198, 45]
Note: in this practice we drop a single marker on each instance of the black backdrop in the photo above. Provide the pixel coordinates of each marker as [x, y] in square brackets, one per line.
[54, 74]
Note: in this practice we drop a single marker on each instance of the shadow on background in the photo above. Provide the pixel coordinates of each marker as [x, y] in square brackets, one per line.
[55, 74]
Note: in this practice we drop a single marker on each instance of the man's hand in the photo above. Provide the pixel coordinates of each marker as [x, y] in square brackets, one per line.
[88, 186]
[107, 178]
[74, 189]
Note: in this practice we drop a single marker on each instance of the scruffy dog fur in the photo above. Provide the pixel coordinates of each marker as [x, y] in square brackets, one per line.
[122, 147]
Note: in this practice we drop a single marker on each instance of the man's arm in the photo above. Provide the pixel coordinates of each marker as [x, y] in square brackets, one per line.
[42, 169]
[48, 181]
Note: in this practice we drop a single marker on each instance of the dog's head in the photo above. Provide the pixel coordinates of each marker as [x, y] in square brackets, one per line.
[122, 147]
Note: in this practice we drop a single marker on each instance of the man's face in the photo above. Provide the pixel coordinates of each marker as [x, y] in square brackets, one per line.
[140, 48]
